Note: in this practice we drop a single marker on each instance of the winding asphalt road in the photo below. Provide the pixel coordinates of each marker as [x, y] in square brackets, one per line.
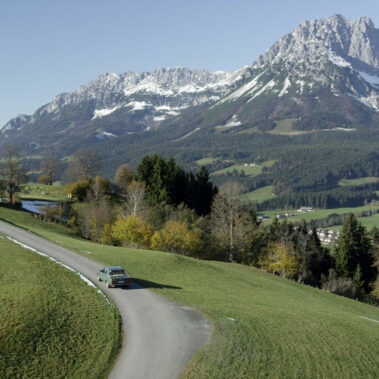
[160, 336]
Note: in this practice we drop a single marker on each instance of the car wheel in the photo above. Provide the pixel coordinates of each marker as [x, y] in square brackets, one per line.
[125, 287]
[108, 285]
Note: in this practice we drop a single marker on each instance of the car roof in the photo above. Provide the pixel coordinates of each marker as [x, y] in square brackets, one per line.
[115, 268]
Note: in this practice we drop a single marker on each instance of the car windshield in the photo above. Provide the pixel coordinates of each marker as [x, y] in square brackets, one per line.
[117, 272]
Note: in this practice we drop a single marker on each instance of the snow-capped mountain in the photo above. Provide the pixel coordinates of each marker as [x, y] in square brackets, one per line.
[325, 74]
[301, 71]
[147, 99]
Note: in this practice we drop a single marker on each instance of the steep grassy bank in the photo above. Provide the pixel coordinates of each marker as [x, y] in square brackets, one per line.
[263, 325]
[53, 325]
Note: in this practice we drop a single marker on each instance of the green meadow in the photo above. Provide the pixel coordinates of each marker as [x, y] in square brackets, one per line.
[53, 325]
[263, 325]
[319, 213]
[44, 192]
[205, 161]
[259, 195]
[249, 170]
[358, 181]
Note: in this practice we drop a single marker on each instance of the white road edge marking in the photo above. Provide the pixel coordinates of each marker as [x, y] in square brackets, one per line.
[81, 276]
[370, 319]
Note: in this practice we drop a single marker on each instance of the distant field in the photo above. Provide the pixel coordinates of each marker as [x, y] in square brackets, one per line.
[263, 325]
[358, 181]
[285, 127]
[317, 214]
[259, 195]
[205, 161]
[53, 325]
[368, 222]
[249, 170]
[44, 192]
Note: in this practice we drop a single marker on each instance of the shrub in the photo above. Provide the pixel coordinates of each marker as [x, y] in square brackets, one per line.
[78, 189]
[176, 237]
[44, 179]
[131, 231]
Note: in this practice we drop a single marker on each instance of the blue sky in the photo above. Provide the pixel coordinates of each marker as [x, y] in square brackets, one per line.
[53, 46]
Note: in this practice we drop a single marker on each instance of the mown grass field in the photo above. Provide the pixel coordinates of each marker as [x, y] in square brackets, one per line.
[319, 213]
[205, 161]
[249, 170]
[358, 181]
[259, 195]
[44, 192]
[263, 325]
[368, 222]
[285, 127]
[53, 325]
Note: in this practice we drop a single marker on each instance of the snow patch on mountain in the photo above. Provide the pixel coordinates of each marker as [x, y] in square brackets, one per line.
[105, 135]
[337, 60]
[253, 84]
[301, 83]
[267, 87]
[287, 84]
[138, 105]
[232, 122]
[372, 79]
[370, 101]
[160, 118]
[99, 113]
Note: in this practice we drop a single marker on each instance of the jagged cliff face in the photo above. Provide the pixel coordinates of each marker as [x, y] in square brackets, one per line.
[325, 66]
[315, 40]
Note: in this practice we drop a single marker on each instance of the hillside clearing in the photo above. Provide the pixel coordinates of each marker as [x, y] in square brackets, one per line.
[249, 170]
[358, 181]
[259, 195]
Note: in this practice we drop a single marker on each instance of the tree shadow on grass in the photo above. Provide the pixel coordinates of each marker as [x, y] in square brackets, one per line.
[148, 284]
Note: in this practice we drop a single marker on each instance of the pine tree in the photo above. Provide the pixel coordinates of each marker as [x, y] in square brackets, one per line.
[354, 248]
[358, 283]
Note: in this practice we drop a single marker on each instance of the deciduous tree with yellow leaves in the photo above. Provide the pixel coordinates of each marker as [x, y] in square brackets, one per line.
[176, 237]
[131, 231]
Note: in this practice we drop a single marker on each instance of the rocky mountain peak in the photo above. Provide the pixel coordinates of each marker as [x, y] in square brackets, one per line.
[356, 40]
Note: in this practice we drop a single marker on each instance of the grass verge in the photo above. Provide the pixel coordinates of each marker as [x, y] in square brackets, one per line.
[53, 325]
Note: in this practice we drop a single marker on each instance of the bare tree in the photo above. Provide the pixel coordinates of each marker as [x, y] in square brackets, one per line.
[93, 218]
[230, 224]
[12, 172]
[98, 189]
[50, 167]
[135, 197]
[85, 163]
[123, 176]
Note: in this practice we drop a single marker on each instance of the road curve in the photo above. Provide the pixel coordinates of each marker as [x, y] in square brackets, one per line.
[160, 336]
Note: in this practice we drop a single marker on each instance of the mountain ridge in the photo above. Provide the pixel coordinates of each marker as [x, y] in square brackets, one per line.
[324, 75]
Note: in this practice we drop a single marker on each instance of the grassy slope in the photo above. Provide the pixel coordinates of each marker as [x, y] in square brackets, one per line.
[260, 194]
[263, 325]
[52, 323]
[249, 170]
[204, 161]
[358, 181]
[45, 192]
